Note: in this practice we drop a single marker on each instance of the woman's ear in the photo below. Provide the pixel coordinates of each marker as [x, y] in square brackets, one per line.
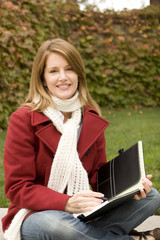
[44, 83]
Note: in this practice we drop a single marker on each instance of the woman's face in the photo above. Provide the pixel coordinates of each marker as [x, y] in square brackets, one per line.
[59, 76]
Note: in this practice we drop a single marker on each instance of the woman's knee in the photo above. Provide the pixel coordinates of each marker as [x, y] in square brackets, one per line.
[154, 194]
[154, 197]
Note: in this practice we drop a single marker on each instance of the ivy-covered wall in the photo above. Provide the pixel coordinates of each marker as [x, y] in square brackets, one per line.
[121, 51]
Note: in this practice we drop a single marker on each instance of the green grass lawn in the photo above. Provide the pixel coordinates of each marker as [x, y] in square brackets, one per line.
[125, 129]
[129, 126]
[4, 202]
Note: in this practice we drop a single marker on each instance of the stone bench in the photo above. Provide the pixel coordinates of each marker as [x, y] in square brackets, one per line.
[3, 212]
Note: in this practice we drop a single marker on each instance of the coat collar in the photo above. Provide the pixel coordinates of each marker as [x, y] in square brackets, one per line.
[38, 118]
[93, 126]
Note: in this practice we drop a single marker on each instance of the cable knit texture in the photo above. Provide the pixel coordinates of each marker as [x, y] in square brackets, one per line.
[67, 171]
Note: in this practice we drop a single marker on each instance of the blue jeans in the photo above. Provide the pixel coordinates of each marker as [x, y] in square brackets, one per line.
[115, 224]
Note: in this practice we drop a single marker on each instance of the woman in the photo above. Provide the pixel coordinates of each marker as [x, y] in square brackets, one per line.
[55, 144]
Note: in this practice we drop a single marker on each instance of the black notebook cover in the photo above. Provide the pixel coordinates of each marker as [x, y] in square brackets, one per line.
[120, 173]
[119, 179]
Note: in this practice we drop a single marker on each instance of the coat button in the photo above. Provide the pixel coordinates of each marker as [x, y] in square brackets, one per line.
[88, 152]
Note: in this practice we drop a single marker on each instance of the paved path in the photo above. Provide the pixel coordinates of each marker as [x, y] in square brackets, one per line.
[150, 223]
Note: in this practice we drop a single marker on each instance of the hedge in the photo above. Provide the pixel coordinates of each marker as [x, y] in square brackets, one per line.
[121, 51]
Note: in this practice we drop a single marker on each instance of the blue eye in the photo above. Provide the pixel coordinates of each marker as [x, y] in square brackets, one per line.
[53, 71]
[70, 69]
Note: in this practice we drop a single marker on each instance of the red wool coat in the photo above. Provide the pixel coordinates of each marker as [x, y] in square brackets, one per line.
[30, 147]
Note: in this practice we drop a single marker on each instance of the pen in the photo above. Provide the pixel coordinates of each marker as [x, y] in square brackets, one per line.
[103, 198]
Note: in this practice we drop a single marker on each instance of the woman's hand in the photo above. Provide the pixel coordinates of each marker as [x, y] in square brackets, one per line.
[83, 201]
[147, 187]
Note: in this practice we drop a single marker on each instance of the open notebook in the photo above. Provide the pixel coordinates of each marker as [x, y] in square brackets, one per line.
[119, 179]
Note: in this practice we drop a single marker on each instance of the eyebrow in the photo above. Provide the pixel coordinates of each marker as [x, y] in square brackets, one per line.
[57, 67]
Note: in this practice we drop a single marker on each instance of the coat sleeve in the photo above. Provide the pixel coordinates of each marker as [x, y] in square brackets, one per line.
[100, 159]
[20, 168]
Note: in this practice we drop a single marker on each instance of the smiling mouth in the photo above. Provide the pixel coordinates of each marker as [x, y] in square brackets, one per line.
[64, 86]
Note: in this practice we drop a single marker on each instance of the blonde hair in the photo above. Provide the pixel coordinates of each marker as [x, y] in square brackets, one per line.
[37, 88]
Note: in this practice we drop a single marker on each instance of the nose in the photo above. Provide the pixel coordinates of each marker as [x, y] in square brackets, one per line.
[62, 75]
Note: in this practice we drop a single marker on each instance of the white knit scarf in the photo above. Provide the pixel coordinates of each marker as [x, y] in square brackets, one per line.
[67, 172]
